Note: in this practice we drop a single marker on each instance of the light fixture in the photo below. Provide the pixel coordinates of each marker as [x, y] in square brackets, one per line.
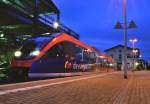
[35, 53]
[55, 24]
[18, 53]
[1, 35]
[136, 63]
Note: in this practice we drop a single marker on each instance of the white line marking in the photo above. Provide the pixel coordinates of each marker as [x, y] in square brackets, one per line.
[22, 83]
[51, 84]
[43, 75]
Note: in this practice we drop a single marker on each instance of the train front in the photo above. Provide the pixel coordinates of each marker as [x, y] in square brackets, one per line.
[26, 55]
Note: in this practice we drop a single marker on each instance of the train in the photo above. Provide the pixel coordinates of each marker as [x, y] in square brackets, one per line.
[58, 54]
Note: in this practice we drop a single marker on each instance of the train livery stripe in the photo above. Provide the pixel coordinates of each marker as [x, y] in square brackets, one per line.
[61, 38]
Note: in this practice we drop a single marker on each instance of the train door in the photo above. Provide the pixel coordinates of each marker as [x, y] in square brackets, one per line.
[73, 56]
[68, 49]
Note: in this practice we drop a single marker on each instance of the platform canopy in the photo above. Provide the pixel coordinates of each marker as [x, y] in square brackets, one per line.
[22, 16]
[27, 18]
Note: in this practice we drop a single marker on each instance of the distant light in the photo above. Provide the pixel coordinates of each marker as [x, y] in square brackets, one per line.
[2, 35]
[89, 50]
[4, 0]
[140, 56]
[35, 53]
[55, 25]
[32, 15]
[102, 57]
[46, 33]
[18, 53]
[136, 63]
[24, 38]
[133, 40]
[111, 64]
[135, 51]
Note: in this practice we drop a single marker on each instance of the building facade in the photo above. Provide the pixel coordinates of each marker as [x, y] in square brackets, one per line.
[117, 53]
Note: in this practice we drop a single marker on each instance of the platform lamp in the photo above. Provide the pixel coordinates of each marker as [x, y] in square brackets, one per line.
[55, 24]
[125, 27]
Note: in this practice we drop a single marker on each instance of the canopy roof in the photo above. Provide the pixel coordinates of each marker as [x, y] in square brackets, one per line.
[23, 15]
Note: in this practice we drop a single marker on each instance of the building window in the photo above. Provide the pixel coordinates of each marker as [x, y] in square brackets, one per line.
[120, 56]
[112, 55]
[128, 56]
[120, 50]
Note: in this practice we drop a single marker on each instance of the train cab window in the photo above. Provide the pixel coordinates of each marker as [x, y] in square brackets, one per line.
[68, 48]
[78, 49]
[55, 51]
[71, 50]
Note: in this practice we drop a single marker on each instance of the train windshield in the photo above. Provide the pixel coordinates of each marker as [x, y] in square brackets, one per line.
[37, 43]
[32, 47]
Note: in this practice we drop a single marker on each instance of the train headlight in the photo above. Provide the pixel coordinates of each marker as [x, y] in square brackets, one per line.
[18, 53]
[35, 53]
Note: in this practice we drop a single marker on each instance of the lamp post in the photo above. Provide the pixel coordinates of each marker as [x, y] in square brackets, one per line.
[133, 41]
[124, 26]
[125, 40]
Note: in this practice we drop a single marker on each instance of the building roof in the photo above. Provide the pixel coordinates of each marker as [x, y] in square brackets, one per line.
[118, 46]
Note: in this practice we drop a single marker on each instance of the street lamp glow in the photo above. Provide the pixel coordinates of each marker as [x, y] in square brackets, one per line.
[2, 35]
[135, 51]
[136, 63]
[140, 56]
[133, 40]
[55, 24]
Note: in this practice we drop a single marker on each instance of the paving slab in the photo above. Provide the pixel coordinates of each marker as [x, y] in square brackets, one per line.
[108, 89]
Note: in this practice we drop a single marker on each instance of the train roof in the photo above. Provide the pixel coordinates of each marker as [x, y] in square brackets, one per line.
[61, 37]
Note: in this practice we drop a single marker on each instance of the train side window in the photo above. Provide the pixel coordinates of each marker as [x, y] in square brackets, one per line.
[78, 49]
[68, 48]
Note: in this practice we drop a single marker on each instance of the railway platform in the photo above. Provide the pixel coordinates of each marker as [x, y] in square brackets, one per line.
[96, 88]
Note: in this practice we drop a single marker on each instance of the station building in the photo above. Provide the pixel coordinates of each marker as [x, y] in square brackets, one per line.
[117, 53]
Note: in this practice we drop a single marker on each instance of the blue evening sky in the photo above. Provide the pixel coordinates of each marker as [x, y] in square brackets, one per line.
[94, 20]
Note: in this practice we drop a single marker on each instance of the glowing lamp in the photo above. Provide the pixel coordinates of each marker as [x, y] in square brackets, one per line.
[55, 25]
[35, 53]
[18, 53]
